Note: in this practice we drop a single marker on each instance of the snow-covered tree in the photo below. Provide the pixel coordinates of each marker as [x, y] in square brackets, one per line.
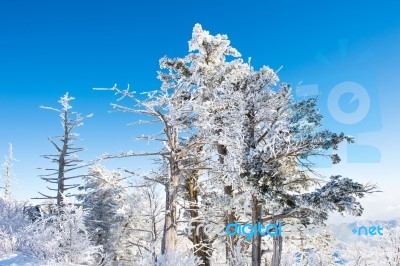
[171, 108]
[209, 68]
[8, 173]
[125, 221]
[380, 250]
[60, 238]
[175, 105]
[302, 246]
[229, 132]
[57, 238]
[65, 158]
[147, 231]
[389, 246]
[263, 127]
[361, 254]
[13, 224]
[104, 196]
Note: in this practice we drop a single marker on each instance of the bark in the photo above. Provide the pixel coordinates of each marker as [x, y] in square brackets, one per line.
[171, 192]
[170, 232]
[200, 241]
[256, 240]
[154, 232]
[277, 251]
[61, 164]
[230, 217]
[256, 206]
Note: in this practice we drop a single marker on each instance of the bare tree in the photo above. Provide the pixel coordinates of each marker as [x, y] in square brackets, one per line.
[65, 158]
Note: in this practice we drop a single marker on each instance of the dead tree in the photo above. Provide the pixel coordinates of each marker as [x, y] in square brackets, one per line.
[65, 158]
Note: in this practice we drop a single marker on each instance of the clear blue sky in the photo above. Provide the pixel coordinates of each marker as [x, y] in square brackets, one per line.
[50, 47]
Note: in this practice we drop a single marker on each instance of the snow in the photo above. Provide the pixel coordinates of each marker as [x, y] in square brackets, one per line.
[14, 259]
[19, 259]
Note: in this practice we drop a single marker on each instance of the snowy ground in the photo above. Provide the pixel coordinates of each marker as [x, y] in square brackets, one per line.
[15, 259]
[18, 259]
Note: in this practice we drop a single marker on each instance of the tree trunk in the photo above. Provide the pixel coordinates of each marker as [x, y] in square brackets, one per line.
[256, 240]
[61, 164]
[170, 233]
[201, 242]
[230, 217]
[277, 249]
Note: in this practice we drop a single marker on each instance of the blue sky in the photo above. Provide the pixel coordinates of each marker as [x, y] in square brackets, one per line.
[50, 47]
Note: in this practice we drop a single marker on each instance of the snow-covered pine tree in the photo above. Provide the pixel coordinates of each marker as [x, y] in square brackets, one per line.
[257, 126]
[104, 195]
[294, 177]
[290, 176]
[213, 67]
[276, 128]
[222, 86]
[65, 158]
[126, 222]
